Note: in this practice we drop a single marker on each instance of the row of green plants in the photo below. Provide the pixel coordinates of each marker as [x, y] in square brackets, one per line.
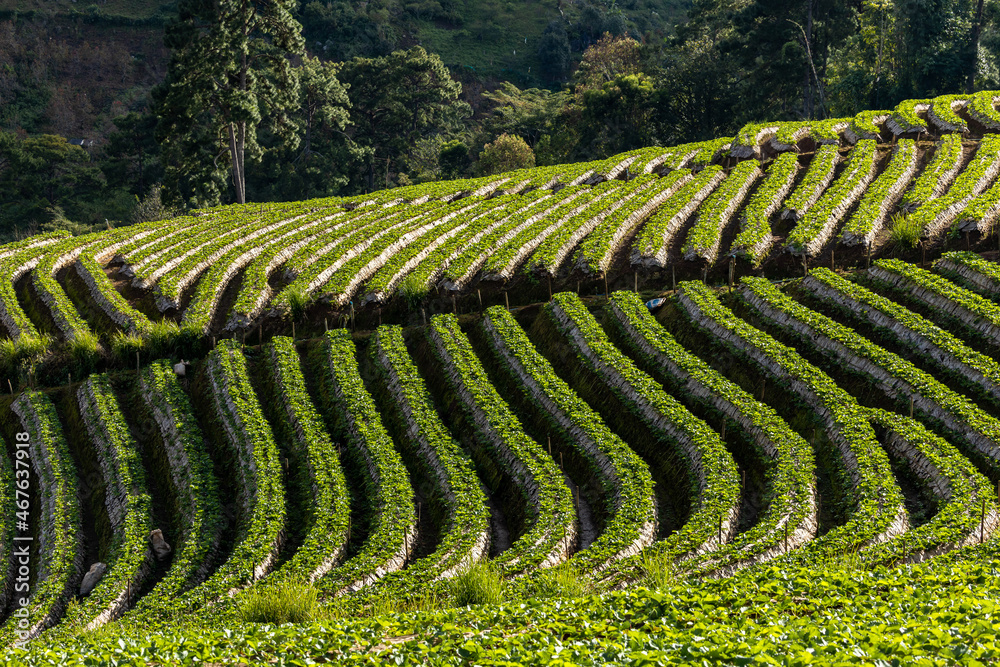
[878, 511]
[354, 243]
[702, 242]
[972, 269]
[386, 278]
[387, 491]
[653, 240]
[879, 200]
[13, 266]
[789, 134]
[818, 176]
[175, 276]
[755, 239]
[547, 236]
[866, 125]
[127, 499]
[911, 330]
[908, 117]
[901, 380]
[260, 497]
[974, 311]
[939, 173]
[255, 289]
[715, 481]
[819, 223]
[471, 259]
[791, 494]
[354, 221]
[935, 216]
[136, 254]
[201, 309]
[465, 529]
[754, 135]
[320, 477]
[198, 505]
[981, 213]
[602, 244]
[550, 520]
[625, 478]
[966, 505]
[499, 218]
[943, 112]
[390, 253]
[58, 531]
[549, 255]
[982, 107]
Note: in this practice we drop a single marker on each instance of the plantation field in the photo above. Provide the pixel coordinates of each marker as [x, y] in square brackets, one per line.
[637, 378]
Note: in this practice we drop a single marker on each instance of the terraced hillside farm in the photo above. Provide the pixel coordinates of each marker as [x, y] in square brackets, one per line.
[637, 378]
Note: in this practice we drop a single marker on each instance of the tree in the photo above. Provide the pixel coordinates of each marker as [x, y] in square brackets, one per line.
[229, 73]
[397, 100]
[507, 153]
[554, 52]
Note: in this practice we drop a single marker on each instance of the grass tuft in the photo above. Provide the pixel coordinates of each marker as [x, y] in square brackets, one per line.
[479, 583]
[658, 570]
[279, 603]
[563, 581]
[906, 231]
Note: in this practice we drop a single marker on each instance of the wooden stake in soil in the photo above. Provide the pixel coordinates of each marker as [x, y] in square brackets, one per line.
[732, 272]
[550, 452]
[326, 325]
[423, 316]
[635, 282]
[550, 288]
[606, 293]
[506, 300]
[293, 330]
[673, 278]
[260, 334]
[454, 304]
[12, 391]
[137, 361]
[480, 295]
[833, 264]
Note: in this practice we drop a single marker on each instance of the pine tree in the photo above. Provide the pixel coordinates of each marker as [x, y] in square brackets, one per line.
[229, 73]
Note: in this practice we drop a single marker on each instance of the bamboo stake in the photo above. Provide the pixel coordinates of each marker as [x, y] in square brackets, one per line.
[506, 300]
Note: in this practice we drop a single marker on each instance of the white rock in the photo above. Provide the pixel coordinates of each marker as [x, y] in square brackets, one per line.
[93, 576]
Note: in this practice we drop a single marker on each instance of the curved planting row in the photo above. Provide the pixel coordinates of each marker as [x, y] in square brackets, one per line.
[971, 269]
[464, 267]
[549, 256]
[907, 117]
[755, 239]
[550, 525]
[129, 559]
[967, 512]
[59, 538]
[497, 220]
[320, 477]
[625, 479]
[653, 241]
[199, 312]
[936, 216]
[12, 267]
[973, 311]
[879, 200]
[391, 522]
[939, 173]
[603, 243]
[466, 522]
[398, 229]
[260, 497]
[818, 176]
[911, 330]
[791, 516]
[198, 505]
[544, 236]
[818, 224]
[714, 215]
[878, 512]
[898, 378]
[716, 503]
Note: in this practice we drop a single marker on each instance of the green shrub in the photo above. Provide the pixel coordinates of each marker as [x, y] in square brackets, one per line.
[480, 583]
[279, 603]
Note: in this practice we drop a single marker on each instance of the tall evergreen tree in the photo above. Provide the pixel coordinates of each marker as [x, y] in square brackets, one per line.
[229, 73]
